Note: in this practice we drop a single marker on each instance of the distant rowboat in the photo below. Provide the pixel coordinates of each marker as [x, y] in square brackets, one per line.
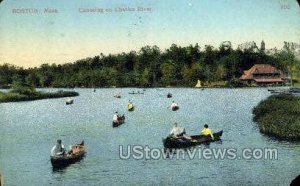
[130, 107]
[69, 101]
[174, 108]
[75, 154]
[138, 92]
[121, 120]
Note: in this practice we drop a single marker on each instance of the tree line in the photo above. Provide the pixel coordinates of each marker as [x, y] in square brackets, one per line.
[151, 67]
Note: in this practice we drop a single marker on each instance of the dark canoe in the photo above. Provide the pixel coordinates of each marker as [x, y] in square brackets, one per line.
[295, 181]
[117, 96]
[121, 120]
[70, 157]
[171, 142]
[175, 108]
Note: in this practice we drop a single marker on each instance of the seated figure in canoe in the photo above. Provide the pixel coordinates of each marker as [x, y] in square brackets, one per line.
[76, 149]
[118, 119]
[118, 95]
[58, 149]
[174, 106]
[207, 132]
[178, 132]
[130, 106]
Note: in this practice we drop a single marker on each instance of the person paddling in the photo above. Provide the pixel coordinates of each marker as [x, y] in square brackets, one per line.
[174, 106]
[130, 106]
[207, 131]
[178, 132]
[116, 117]
[58, 149]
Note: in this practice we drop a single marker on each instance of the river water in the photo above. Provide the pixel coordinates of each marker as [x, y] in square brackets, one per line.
[28, 130]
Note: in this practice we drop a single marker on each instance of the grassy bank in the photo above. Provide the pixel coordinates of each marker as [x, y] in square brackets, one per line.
[279, 116]
[16, 96]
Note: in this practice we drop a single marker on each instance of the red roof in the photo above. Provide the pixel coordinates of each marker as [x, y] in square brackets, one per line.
[262, 69]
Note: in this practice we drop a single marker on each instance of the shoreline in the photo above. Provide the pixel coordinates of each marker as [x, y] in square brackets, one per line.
[15, 97]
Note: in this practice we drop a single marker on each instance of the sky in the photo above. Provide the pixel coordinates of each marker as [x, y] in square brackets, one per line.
[29, 36]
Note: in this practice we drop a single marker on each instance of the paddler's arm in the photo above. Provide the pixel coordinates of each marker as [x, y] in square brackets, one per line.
[211, 135]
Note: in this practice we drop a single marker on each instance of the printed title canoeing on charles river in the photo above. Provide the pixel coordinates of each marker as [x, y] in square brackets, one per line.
[116, 9]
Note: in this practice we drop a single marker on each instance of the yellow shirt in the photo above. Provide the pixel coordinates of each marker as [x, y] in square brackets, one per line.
[206, 132]
[130, 106]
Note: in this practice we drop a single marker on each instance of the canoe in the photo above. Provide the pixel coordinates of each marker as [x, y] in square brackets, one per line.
[69, 101]
[121, 120]
[75, 154]
[172, 143]
[175, 108]
[130, 107]
[117, 96]
[136, 93]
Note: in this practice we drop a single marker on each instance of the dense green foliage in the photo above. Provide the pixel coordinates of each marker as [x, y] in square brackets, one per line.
[279, 116]
[22, 92]
[176, 66]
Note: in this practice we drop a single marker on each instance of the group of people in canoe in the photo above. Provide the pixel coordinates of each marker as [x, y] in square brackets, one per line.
[59, 149]
[60, 157]
[179, 132]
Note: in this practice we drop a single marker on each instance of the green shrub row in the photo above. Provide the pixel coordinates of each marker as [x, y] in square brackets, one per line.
[15, 97]
[279, 116]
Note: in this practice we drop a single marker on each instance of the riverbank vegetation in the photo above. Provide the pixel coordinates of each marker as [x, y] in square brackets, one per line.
[22, 92]
[152, 67]
[279, 116]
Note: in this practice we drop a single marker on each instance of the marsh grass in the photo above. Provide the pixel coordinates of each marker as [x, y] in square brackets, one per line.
[27, 93]
[279, 116]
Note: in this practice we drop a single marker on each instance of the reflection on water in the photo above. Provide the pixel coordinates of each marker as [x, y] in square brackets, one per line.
[28, 130]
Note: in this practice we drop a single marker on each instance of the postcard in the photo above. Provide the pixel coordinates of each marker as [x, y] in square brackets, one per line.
[131, 92]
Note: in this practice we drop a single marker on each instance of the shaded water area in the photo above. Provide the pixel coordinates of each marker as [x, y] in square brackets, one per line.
[28, 130]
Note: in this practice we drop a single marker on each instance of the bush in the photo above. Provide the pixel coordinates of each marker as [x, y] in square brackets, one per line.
[23, 89]
[279, 116]
[15, 96]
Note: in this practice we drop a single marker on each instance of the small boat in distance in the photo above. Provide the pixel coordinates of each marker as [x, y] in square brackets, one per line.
[292, 91]
[169, 95]
[130, 106]
[174, 108]
[76, 153]
[138, 92]
[69, 101]
[174, 143]
[118, 95]
[121, 120]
